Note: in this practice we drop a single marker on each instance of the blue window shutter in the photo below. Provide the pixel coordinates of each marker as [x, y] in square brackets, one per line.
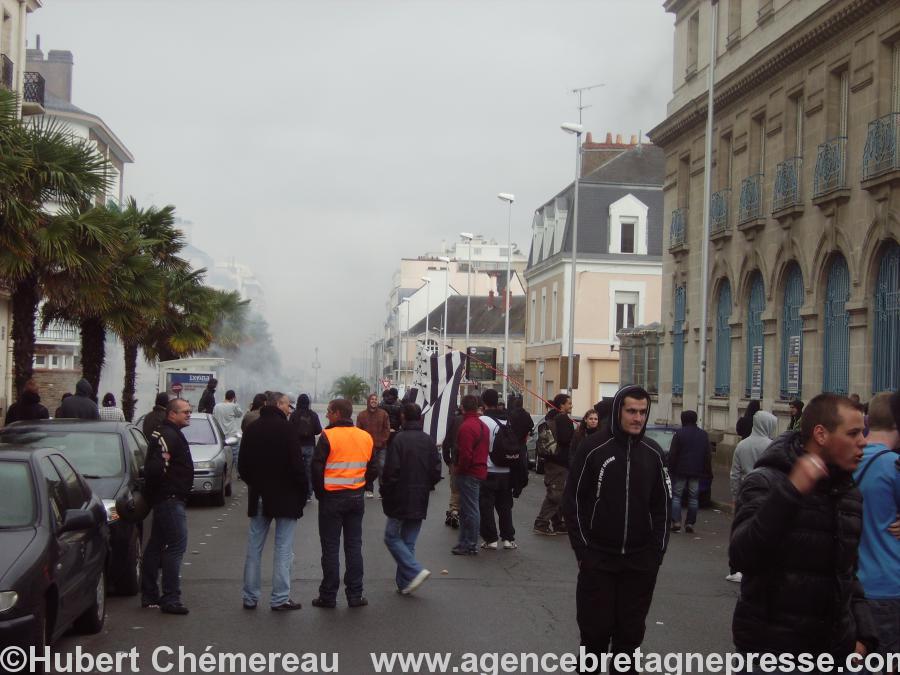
[837, 329]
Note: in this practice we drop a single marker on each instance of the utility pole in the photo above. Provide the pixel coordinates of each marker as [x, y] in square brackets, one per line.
[315, 366]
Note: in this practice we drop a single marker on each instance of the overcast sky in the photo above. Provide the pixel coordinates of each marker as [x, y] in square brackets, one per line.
[320, 141]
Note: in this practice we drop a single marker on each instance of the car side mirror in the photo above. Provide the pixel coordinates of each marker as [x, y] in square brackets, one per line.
[231, 441]
[77, 519]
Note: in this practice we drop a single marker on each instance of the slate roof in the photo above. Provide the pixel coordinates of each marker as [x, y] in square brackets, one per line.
[487, 318]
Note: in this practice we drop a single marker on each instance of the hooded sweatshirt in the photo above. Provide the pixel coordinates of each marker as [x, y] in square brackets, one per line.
[28, 407]
[749, 450]
[81, 405]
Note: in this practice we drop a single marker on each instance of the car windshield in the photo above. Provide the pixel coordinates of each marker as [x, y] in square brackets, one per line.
[95, 454]
[17, 505]
[662, 436]
[200, 432]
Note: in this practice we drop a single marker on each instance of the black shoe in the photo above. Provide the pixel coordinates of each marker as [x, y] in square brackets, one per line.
[150, 604]
[324, 604]
[286, 606]
[689, 529]
[457, 550]
[249, 605]
[174, 608]
[357, 602]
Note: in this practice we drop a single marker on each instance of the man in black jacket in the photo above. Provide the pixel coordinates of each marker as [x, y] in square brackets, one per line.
[28, 407]
[307, 425]
[169, 477]
[271, 463]
[689, 458]
[412, 467]
[795, 536]
[616, 505]
[550, 519]
[154, 419]
[82, 405]
[208, 398]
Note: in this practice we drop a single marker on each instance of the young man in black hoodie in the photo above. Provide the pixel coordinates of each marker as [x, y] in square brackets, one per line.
[616, 506]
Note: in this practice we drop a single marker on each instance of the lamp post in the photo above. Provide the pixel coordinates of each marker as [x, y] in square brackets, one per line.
[446, 261]
[315, 366]
[406, 301]
[509, 199]
[427, 281]
[576, 129]
[468, 236]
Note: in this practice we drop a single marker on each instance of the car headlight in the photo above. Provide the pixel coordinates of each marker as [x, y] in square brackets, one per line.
[204, 465]
[111, 514]
[8, 600]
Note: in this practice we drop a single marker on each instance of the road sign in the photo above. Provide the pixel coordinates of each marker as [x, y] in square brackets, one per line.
[177, 388]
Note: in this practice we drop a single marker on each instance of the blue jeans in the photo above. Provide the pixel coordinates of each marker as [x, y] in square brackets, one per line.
[469, 515]
[307, 461]
[693, 487]
[282, 560]
[164, 551]
[341, 513]
[400, 538]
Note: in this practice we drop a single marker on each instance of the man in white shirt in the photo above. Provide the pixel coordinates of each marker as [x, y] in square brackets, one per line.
[228, 415]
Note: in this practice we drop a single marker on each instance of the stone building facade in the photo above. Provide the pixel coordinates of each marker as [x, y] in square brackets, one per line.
[804, 271]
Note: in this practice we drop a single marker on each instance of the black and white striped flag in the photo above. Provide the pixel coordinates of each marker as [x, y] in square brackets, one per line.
[436, 390]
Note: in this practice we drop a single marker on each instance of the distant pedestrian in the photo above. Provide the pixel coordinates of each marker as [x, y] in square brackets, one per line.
[795, 537]
[307, 426]
[343, 462]
[496, 492]
[82, 404]
[377, 423]
[393, 408]
[473, 444]
[259, 400]
[154, 418]
[450, 453]
[228, 414]
[745, 424]
[58, 412]
[745, 456]
[169, 478]
[796, 408]
[208, 398]
[689, 461]
[550, 519]
[412, 467]
[272, 466]
[109, 411]
[28, 407]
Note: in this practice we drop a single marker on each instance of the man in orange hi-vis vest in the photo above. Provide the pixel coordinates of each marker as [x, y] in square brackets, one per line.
[342, 462]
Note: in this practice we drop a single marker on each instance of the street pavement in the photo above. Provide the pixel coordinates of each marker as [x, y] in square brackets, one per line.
[499, 601]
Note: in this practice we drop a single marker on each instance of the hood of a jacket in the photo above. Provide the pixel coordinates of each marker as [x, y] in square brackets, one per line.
[633, 391]
[783, 453]
[84, 388]
[30, 397]
[413, 425]
[303, 402]
[764, 424]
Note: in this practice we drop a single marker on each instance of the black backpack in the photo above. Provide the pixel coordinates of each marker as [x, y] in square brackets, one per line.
[506, 450]
[303, 423]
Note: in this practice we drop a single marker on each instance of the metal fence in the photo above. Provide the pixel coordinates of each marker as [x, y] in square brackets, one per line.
[750, 207]
[678, 227]
[33, 88]
[718, 211]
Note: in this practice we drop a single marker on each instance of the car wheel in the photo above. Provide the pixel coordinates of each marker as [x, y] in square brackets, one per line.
[218, 498]
[130, 577]
[94, 616]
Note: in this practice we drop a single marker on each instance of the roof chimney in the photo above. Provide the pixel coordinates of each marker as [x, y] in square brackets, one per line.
[56, 69]
[633, 139]
[589, 138]
[618, 139]
[608, 138]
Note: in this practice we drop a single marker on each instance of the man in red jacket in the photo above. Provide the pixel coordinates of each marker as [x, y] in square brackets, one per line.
[473, 443]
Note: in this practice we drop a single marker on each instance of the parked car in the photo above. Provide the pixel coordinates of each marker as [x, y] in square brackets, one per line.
[53, 548]
[663, 435]
[110, 456]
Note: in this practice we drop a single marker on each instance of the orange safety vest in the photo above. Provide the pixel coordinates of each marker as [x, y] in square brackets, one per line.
[351, 450]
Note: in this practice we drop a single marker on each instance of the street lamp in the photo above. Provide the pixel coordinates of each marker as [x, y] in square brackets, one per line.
[427, 281]
[509, 199]
[576, 129]
[446, 260]
[405, 347]
[468, 236]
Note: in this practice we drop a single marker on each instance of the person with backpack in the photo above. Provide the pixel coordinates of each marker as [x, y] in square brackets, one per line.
[307, 426]
[554, 441]
[497, 490]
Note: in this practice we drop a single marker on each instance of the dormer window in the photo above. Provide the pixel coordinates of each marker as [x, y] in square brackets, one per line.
[628, 226]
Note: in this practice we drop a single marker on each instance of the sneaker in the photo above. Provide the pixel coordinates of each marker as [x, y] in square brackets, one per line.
[509, 544]
[459, 550]
[370, 495]
[490, 546]
[174, 608]
[689, 529]
[416, 582]
[150, 604]
[249, 605]
[736, 577]
[357, 602]
[285, 606]
[562, 529]
[449, 519]
[546, 531]
[324, 604]
[676, 527]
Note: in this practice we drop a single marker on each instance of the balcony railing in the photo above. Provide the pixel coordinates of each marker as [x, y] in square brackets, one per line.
[718, 211]
[57, 332]
[831, 166]
[882, 153]
[787, 184]
[750, 207]
[33, 88]
[677, 230]
[6, 72]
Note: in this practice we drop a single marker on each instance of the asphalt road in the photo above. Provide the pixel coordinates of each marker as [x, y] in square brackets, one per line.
[499, 601]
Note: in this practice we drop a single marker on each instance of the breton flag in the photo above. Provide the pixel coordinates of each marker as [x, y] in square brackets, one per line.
[436, 389]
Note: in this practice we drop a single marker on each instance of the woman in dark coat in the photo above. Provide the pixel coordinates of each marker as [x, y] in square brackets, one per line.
[744, 425]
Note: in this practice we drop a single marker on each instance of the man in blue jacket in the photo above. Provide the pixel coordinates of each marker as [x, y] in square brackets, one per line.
[688, 462]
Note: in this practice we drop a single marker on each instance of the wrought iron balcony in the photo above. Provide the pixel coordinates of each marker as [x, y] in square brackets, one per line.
[750, 207]
[33, 88]
[831, 166]
[718, 211]
[787, 184]
[882, 152]
[6, 72]
[57, 332]
[677, 230]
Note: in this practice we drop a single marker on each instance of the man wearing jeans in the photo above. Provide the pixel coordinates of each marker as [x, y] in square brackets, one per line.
[169, 477]
[342, 463]
[688, 461]
[412, 468]
[272, 466]
[473, 443]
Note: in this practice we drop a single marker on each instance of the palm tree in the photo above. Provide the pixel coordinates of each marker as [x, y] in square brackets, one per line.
[351, 387]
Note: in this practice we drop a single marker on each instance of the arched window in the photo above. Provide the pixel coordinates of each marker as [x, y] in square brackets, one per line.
[887, 322]
[837, 328]
[723, 341]
[678, 343]
[755, 349]
[792, 334]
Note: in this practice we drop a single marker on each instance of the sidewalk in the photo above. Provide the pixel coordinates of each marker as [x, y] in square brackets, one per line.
[721, 488]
